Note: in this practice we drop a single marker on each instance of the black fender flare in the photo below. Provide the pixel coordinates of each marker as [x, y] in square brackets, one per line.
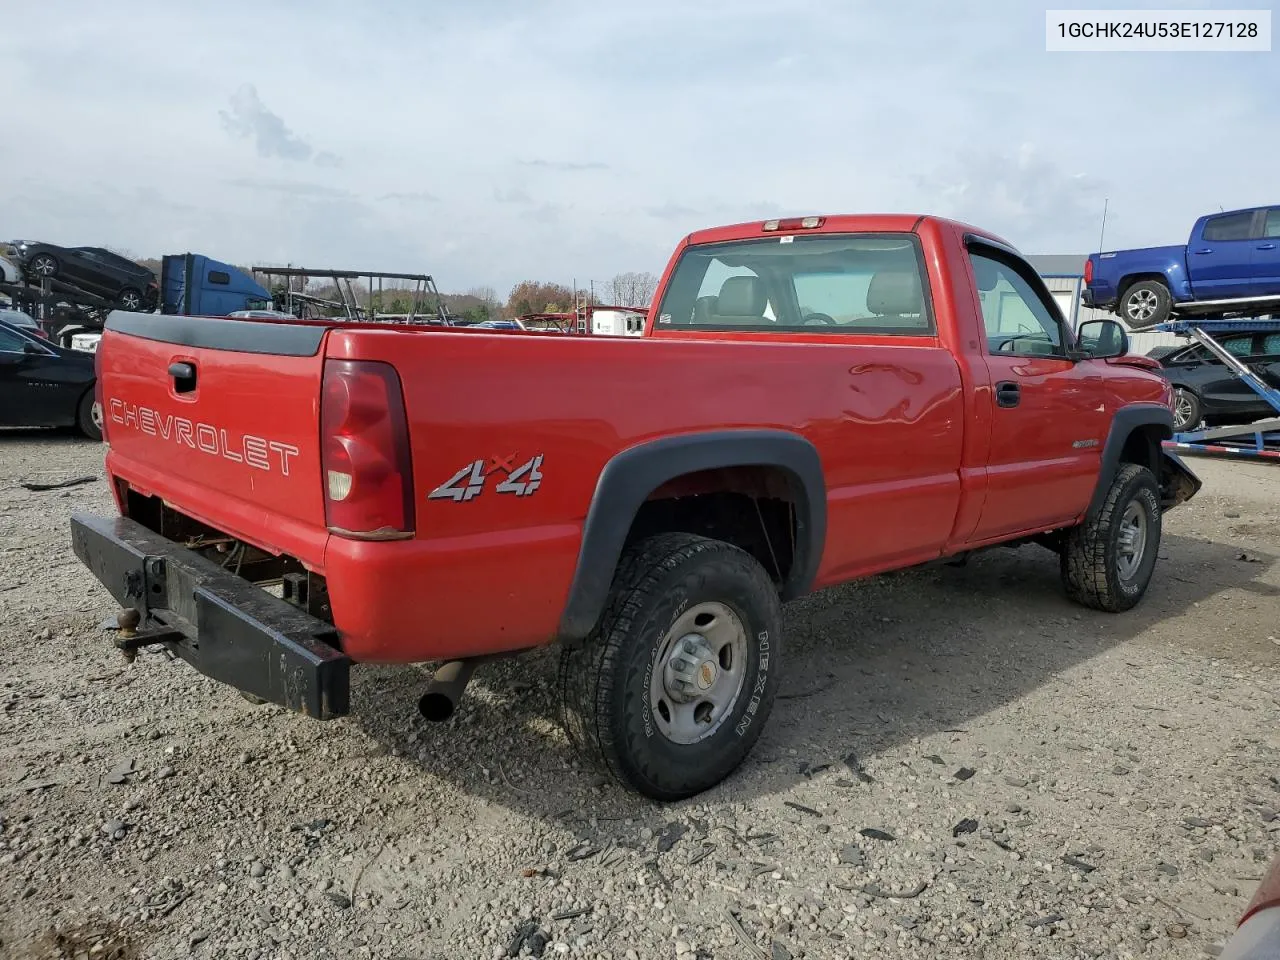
[631, 476]
[1127, 419]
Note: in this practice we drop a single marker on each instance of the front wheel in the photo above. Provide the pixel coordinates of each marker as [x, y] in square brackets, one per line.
[43, 266]
[1146, 304]
[672, 688]
[1187, 410]
[1108, 560]
[130, 299]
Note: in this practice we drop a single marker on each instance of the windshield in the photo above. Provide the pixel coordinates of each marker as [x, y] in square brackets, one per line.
[836, 283]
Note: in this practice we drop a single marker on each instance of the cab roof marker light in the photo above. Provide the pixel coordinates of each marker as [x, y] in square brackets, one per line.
[793, 223]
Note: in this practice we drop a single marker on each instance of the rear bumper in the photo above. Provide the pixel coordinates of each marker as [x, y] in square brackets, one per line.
[224, 626]
[1099, 297]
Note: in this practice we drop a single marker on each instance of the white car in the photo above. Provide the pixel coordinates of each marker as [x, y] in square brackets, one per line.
[9, 272]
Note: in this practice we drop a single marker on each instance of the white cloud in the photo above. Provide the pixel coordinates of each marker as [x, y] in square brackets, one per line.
[492, 159]
[249, 119]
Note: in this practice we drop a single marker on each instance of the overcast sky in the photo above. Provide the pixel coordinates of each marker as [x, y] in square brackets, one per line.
[491, 142]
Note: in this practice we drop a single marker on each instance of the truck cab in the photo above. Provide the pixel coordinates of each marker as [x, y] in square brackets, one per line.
[192, 284]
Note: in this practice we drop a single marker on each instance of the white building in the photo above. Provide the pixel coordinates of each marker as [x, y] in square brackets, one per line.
[618, 321]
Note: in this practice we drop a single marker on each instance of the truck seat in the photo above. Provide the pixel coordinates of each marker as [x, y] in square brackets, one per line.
[894, 299]
[742, 302]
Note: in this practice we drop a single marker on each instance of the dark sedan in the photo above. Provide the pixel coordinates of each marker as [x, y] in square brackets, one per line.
[43, 385]
[93, 270]
[1206, 391]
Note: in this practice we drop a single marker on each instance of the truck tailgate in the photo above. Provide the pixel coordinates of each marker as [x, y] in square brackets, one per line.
[219, 418]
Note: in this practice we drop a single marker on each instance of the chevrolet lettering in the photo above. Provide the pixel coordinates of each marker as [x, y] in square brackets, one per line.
[245, 448]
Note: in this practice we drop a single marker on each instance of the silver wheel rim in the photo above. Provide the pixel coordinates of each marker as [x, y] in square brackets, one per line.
[95, 414]
[44, 266]
[1182, 409]
[699, 673]
[1142, 305]
[1133, 540]
[132, 301]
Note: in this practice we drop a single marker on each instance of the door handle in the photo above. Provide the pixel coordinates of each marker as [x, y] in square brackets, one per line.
[1267, 246]
[1206, 250]
[1008, 394]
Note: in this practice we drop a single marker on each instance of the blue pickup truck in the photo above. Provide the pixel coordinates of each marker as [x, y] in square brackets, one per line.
[1231, 256]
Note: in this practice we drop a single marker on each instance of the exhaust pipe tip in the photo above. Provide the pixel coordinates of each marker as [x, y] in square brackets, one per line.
[436, 706]
[445, 690]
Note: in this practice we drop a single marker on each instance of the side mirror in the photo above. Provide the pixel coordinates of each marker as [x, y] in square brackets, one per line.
[30, 348]
[1102, 339]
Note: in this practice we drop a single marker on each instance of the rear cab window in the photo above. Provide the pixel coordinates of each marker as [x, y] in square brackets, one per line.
[828, 284]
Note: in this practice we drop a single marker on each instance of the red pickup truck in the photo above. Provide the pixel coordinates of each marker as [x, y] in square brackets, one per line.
[813, 400]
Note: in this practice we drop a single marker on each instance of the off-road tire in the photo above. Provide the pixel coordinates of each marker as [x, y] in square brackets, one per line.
[605, 681]
[1090, 571]
[85, 419]
[1146, 291]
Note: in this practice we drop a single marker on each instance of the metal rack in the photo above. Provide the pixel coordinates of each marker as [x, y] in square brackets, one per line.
[62, 309]
[1259, 440]
[426, 306]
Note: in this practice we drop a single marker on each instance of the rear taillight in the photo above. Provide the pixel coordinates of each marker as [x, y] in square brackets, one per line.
[1088, 271]
[364, 437]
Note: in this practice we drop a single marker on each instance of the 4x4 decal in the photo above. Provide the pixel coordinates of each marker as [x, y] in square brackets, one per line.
[469, 482]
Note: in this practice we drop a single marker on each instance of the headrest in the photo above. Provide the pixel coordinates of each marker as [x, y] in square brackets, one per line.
[894, 292]
[742, 297]
[704, 308]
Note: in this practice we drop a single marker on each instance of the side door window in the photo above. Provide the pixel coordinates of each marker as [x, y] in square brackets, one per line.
[1266, 255]
[1270, 359]
[1229, 227]
[1222, 382]
[1019, 314]
[1221, 263]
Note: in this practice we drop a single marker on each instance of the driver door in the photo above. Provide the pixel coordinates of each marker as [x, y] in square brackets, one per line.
[1048, 419]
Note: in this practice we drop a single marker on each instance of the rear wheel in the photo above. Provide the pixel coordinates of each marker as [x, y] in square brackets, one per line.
[130, 299]
[1108, 560]
[89, 417]
[672, 689]
[1187, 410]
[1146, 304]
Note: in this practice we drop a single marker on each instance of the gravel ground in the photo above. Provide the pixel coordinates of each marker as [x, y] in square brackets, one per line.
[962, 764]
